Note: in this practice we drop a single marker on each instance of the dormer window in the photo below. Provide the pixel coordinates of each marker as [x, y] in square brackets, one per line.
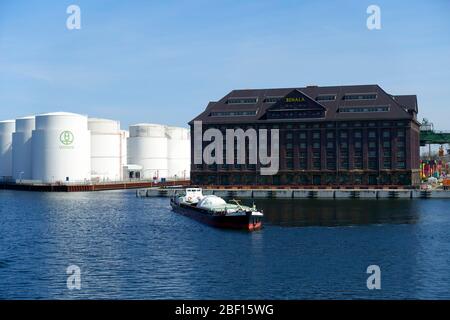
[360, 96]
[326, 97]
[242, 100]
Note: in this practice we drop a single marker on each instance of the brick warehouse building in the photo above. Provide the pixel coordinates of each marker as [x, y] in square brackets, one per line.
[329, 136]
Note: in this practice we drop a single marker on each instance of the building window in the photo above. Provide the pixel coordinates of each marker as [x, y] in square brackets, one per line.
[330, 145]
[330, 135]
[372, 144]
[288, 136]
[401, 165]
[295, 114]
[302, 145]
[326, 97]
[331, 165]
[401, 154]
[387, 163]
[232, 114]
[360, 96]
[242, 100]
[363, 109]
[302, 135]
[316, 135]
[316, 164]
[316, 145]
[357, 134]
[400, 133]
[344, 134]
[289, 164]
[357, 144]
[372, 134]
[386, 134]
[272, 99]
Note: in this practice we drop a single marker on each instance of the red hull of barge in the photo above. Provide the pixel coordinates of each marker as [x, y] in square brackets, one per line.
[244, 222]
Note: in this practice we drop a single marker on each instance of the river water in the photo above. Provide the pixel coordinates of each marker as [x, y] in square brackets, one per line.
[130, 248]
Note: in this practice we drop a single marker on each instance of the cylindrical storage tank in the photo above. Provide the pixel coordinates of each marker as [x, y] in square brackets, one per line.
[106, 149]
[178, 152]
[125, 135]
[21, 149]
[147, 147]
[61, 148]
[7, 129]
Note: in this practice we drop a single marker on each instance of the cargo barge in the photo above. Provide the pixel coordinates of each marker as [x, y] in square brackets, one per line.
[216, 212]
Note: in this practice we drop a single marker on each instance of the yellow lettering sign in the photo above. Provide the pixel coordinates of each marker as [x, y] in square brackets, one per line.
[295, 99]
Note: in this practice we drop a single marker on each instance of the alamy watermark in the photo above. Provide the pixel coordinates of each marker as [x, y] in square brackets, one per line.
[258, 151]
[374, 280]
[73, 21]
[74, 278]
[374, 19]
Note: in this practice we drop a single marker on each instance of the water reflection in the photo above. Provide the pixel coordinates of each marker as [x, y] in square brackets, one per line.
[330, 213]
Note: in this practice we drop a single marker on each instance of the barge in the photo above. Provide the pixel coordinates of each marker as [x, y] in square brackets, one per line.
[214, 211]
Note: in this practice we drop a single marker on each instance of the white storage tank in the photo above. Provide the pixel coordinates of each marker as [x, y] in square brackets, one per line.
[61, 148]
[178, 152]
[147, 147]
[125, 135]
[21, 149]
[106, 149]
[7, 128]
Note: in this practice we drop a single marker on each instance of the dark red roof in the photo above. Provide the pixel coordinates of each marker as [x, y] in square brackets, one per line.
[400, 107]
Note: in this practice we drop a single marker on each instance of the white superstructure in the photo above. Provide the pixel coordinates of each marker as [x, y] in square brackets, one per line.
[61, 148]
[21, 148]
[7, 128]
[107, 149]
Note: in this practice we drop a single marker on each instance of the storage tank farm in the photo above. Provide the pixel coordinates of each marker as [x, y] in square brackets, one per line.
[69, 148]
[147, 147]
[7, 128]
[125, 135]
[162, 151]
[61, 148]
[21, 148]
[108, 143]
[178, 152]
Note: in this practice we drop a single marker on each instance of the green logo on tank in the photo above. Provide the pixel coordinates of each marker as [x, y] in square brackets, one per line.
[66, 138]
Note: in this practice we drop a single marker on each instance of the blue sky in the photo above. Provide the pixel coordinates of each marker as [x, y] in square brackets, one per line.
[162, 61]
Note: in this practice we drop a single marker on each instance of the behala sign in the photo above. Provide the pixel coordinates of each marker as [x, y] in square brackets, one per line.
[295, 99]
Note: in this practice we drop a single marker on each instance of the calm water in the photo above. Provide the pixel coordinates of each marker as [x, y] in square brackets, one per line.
[138, 249]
